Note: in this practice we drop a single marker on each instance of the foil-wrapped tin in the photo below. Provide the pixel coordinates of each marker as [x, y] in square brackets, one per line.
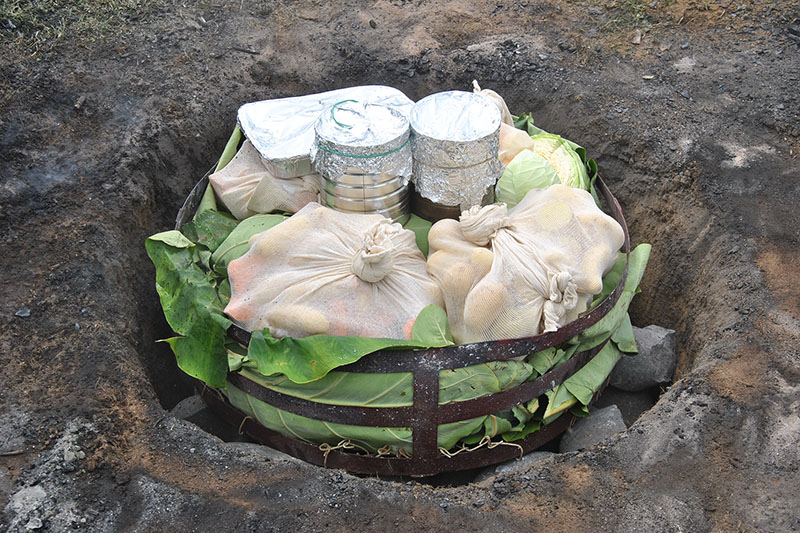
[363, 155]
[455, 140]
[282, 130]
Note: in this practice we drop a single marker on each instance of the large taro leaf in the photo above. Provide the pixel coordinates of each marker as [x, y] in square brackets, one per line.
[209, 228]
[191, 306]
[369, 438]
[201, 353]
[237, 242]
[544, 360]
[584, 383]
[623, 336]
[396, 389]
[310, 358]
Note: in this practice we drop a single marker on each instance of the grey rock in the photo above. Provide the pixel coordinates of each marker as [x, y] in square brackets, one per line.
[510, 467]
[34, 523]
[188, 407]
[630, 404]
[652, 366]
[598, 426]
[259, 451]
[194, 410]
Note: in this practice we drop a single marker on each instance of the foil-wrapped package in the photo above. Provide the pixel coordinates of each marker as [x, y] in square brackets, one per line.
[455, 139]
[364, 158]
[282, 130]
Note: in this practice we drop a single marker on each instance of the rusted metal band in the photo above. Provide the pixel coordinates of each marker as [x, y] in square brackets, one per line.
[425, 429]
[368, 464]
[425, 414]
[499, 401]
[339, 414]
[187, 210]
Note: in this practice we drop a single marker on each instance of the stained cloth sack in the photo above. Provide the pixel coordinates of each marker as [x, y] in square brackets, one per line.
[515, 273]
[328, 272]
[246, 187]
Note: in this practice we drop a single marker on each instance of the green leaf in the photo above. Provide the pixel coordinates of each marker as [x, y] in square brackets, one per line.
[172, 238]
[344, 388]
[587, 381]
[202, 353]
[191, 306]
[420, 227]
[543, 360]
[461, 384]
[579, 410]
[546, 359]
[224, 291]
[623, 337]
[521, 122]
[559, 400]
[395, 389]
[208, 201]
[210, 228]
[495, 425]
[432, 327]
[528, 428]
[311, 358]
[231, 148]
[534, 130]
[236, 243]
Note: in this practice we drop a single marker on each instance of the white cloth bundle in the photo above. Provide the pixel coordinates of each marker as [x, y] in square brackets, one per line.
[246, 187]
[515, 273]
[328, 272]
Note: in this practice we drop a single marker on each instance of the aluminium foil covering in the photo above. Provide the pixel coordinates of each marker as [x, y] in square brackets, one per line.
[455, 140]
[282, 129]
[362, 138]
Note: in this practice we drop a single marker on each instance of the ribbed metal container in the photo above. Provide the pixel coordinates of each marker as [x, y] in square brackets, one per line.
[363, 156]
[455, 140]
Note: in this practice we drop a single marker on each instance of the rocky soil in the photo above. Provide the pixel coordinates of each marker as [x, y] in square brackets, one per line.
[691, 109]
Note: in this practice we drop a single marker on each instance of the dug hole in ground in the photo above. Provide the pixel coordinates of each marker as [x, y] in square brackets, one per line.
[690, 112]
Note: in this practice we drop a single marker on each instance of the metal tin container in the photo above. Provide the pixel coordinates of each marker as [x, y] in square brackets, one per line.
[363, 156]
[355, 186]
[282, 130]
[366, 205]
[455, 140]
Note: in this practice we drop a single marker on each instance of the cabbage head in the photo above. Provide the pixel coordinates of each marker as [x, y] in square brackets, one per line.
[549, 160]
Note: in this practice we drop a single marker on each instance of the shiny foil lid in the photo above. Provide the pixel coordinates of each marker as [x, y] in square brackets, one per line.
[455, 140]
[282, 130]
[354, 137]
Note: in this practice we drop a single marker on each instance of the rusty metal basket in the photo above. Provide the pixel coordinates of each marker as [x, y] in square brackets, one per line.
[425, 415]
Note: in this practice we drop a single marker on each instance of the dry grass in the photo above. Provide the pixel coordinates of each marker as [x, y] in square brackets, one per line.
[34, 26]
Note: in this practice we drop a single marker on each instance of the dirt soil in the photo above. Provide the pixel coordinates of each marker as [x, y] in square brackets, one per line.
[691, 109]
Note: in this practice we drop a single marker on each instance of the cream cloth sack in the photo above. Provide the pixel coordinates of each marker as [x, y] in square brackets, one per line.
[246, 187]
[514, 273]
[328, 272]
